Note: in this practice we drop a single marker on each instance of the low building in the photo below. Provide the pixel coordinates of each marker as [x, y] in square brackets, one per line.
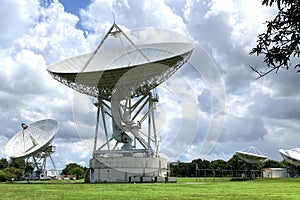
[274, 173]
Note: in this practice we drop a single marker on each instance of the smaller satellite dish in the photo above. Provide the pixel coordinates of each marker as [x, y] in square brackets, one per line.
[32, 138]
[292, 155]
[251, 155]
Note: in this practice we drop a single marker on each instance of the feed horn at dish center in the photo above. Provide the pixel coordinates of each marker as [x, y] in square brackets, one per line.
[122, 74]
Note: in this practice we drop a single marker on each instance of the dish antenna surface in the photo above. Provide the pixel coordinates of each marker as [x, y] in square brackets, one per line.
[122, 74]
[34, 141]
[135, 61]
[251, 155]
[292, 156]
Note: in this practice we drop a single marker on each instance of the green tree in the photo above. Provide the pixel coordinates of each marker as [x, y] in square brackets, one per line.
[173, 169]
[181, 169]
[3, 176]
[235, 163]
[13, 173]
[202, 164]
[281, 41]
[273, 164]
[3, 163]
[284, 163]
[17, 163]
[204, 167]
[184, 170]
[219, 164]
[78, 172]
[73, 169]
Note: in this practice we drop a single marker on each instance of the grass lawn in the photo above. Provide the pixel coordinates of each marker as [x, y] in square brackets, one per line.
[185, 188]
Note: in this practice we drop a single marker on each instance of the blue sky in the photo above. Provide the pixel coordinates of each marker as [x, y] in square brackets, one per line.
[247, 112]
[74, 6]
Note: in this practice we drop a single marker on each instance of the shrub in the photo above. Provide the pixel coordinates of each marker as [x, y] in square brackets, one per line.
[3, 176]
[13, 173]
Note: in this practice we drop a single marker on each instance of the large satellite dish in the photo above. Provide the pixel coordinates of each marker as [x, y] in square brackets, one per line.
[292, 155]
[251, 155]
[144, 59]
[34, 141]
[122, 74]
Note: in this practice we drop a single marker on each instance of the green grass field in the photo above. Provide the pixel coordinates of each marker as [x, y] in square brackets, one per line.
[185, 188]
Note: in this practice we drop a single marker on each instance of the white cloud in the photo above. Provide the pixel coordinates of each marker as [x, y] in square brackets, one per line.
[70, 152]
[261, 113]
[3, 142]
[17, 17]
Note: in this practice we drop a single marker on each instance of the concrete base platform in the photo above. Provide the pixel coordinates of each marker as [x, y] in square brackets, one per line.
[127, 169]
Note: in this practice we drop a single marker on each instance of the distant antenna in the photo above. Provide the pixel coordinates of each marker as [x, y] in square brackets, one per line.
[251, 155]
[113, 15]
[34, 141]
[292, 156]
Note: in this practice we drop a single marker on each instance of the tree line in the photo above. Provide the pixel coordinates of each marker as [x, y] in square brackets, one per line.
[11, 170]
[210, 168]
[14, 169]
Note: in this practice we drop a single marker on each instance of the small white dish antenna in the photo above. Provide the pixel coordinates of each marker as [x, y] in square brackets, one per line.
[292, 156]
[32, 138]
[33, 144]
[251, 155]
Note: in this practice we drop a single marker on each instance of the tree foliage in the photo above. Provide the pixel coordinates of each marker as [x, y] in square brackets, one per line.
[281, 41]
[74, 169]
[219, 164]
[3, 163]
[12, 170]
[233, 166]
[3, 176]
[13, 173]
[17, 163]
[274, 164]
[236, 163]
[78, 172]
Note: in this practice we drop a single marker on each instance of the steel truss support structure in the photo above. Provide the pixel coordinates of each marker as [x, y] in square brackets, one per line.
[39, 165]
[127, 115]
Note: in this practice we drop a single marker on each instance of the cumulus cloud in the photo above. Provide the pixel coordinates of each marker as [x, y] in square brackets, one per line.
[17, 17]
[28, 92]
[215, 88]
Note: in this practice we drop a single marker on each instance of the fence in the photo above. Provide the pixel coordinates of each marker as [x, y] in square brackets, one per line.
[220, 174]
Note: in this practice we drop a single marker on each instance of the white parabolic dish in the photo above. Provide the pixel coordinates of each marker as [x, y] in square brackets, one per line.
[251, 155]
[33, 139]
[154, 57]
[292, 155]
